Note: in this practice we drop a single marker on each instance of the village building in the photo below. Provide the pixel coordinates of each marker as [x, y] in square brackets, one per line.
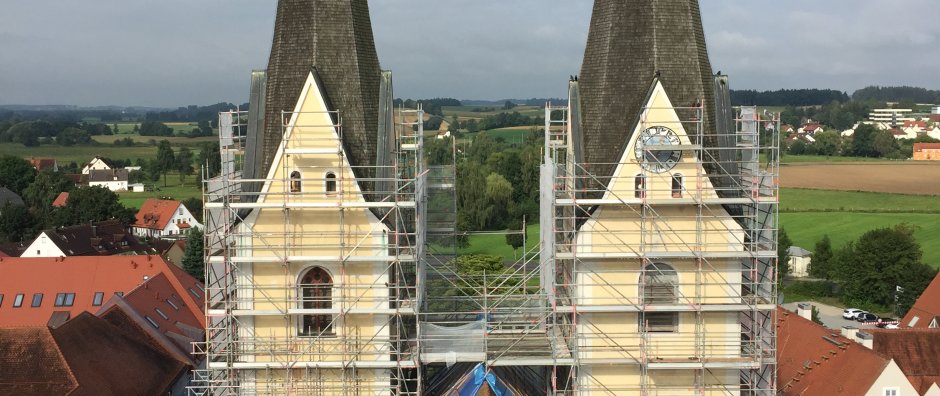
[916, 352]
[60, 200]
[812, 360]
[44, 164]
[925, 313]
[800, 260]
[97, 163]
[112, 179]
[160, 218]
[926, 152]
[104, 238]
[8, 197]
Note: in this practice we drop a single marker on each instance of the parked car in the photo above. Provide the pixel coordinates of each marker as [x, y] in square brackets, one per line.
[866, 317]
[885, 322]
[859, 313]
[849, 313]
[892, 326]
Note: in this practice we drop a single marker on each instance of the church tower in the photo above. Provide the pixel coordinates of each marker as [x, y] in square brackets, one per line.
[662, 242]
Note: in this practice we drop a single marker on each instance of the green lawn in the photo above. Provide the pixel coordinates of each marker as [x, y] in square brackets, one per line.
[78, 154]
[496, 244]
[510, 134]
[174, 140]
[806, 228]
[467, 111]
[173, 190]
[797, 159]
[803, 200]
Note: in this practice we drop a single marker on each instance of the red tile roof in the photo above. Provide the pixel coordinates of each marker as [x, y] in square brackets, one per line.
[156, 213]
[810, 357]
[916, 351]
[61, 199]
[84, 356]
[84, 276]
[42, 164]
[926, 146]
[32, 363]
[919, 124]
[934, 117]
[811, 127]
[927, 306]
[104, 238]
[178, 324]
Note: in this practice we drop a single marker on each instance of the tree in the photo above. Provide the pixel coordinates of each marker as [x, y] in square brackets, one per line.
[42, 191]
[798, 147]
[822, 256]
[193, 258]
[783, 254]
[89, 204]
[871, 268]
[166, 160]
[16, 173]
[509, 105]
[71, 136]
[184, 163]
[210, 157]
[885, 145]
[17, 224]
[195, 207]
[515, 239]
[827, 143]
[863, 141]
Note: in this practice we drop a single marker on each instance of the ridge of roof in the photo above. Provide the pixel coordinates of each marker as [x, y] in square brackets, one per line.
[927, 305]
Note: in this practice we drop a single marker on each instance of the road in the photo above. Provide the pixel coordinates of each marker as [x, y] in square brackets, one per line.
[831, 316]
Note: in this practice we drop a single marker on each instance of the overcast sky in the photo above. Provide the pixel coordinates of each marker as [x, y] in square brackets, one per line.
[177, 52]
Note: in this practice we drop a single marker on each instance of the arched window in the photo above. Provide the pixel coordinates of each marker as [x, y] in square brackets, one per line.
[677, 185]
[295, 182]
[330, 183]
[639, 186]
[660, 286]
[316, 292]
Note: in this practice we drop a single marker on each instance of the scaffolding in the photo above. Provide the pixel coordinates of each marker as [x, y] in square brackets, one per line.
[273, 330]
[705, 317]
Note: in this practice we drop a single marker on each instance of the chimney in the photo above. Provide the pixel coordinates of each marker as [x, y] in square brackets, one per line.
[866, 339]
[849, 332]
[805, 310]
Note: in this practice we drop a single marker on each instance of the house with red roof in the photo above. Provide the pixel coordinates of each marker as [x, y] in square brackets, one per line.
[162, 218]
[917, 352]
[926, 152]
[60, 200]
[35, 291]
[811, 128]
[97, 163]
[87, 355]
[44, 164]
[813, 360]
[925, 313]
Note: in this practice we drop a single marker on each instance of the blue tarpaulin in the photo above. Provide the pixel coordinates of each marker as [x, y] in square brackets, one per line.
[480, 377]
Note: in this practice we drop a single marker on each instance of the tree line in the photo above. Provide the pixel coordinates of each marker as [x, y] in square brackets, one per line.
[820, 97]
[32, 133]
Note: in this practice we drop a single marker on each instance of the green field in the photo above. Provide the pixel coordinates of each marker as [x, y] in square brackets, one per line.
[78, 154]
[809, 200]
[174, 140]
[496, 244]
[510, 134]
[173, 190]
[807, 215]
[467, 111]
[799, 159]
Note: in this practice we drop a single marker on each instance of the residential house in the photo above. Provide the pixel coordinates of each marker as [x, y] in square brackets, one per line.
[786, 129]
[44, 164]
[60, 200]
[104, 238]
[158, 218]
[925, 313]
[812, 360]
[917, 353]
[85, 356]
[926, 152]
[33, 290]
[97, 163]
[799, 261]
[811, 128]
[112, 179]
[172, 251]
[914, 128]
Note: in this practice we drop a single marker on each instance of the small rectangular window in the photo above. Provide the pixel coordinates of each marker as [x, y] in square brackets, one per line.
[194, 293]
[1, 300]
[152, 323]
[162, 315]
[172, 304]
[119, 294]
[69, 299]
[891, 391]
[37, 300]
[660, 322]
[99, 297]
[18, 301]
[59, 299]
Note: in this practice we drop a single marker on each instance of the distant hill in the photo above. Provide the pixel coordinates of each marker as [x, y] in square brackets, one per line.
[897, 94]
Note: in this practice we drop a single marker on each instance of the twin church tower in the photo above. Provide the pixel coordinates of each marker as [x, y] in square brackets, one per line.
[330, 237]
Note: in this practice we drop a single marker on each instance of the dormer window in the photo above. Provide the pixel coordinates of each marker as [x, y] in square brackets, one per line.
[295, 182]
[330, 183]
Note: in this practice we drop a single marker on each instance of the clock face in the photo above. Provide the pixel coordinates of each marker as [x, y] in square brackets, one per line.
[658, 159]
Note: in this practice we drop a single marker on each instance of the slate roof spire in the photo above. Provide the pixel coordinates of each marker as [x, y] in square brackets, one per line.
[630, 43]
[335, 38]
